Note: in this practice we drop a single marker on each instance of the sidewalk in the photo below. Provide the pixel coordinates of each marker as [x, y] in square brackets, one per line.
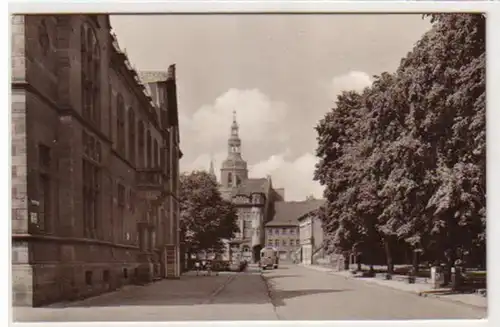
[421, 289]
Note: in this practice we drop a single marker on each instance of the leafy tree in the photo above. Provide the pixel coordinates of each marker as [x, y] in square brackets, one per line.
[206, 218]
[405, 159]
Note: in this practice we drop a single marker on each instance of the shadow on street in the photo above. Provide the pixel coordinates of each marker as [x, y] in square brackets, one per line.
[281, 276]
[278, 297]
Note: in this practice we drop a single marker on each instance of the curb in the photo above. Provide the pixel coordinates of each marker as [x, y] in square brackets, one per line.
[442, 298]
[418, 293]
[270, 294]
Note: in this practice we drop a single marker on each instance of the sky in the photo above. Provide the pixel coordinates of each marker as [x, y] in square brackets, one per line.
[280, 73]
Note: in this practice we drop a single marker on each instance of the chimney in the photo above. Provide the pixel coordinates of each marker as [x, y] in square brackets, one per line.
[171, 72]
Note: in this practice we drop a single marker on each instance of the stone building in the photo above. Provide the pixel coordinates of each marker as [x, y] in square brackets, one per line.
[253, 197]
[282, 232]
[95, 163]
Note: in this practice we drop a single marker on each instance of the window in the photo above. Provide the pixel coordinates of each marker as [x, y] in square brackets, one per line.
[276, 242]
[269, 242]
[131, 135]
[229, 178]
[140, 141]
[43, 37]
[292, 231]
[121, 195]
[276, 231]
[91, 193]
[283, 231]
[44, 202]
[44, 187]
[155, 154]
[297, 242]
[238, 180]
[148, 150]
[120, 124]
[88, 277]
[283, 242]
[131, 201]
[270, 231]
[90, 76]
[247, 228]
[91, 176]
[105, 276]
[121, 208]
[44, 157]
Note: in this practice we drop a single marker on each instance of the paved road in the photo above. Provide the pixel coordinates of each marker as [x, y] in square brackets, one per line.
[300, 293]
[288, 293]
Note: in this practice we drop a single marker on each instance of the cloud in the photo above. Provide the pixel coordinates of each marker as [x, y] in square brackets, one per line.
[258, 116]
[266, 141]
[352, 81]
[296, 176]
[202, 162]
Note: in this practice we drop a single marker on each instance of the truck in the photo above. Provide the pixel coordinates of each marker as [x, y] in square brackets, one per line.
[269, 258]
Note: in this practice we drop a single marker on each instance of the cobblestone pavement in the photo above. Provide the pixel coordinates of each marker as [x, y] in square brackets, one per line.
[300, 293]
[288, 293]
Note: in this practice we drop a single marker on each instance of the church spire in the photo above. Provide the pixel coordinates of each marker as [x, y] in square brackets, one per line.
[234, 142]
[212, 170]
[234, 169]
[234, 126]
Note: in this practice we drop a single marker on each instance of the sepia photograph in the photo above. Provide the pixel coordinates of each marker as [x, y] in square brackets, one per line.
[248, 167]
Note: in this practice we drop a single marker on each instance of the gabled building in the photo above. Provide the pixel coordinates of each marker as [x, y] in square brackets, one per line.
[284, 231]
[95, 158]
[254, 198]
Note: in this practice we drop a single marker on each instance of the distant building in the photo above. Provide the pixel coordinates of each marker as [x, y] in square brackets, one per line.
[254, 198]
[95, 163]
[283, 231]
[311, 235]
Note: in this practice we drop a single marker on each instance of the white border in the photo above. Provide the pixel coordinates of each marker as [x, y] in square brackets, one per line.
[493, 104]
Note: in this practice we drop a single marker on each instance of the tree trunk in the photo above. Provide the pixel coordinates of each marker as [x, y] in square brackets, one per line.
[346, 261]
[388, 256]
[415, 261]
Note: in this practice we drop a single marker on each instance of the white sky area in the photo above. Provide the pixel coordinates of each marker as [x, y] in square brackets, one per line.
[280, 73]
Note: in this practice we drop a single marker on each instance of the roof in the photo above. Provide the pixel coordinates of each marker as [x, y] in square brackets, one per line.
[287, 213]
[153, 76]
[252, 185]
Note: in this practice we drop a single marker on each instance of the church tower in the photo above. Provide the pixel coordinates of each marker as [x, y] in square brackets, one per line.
[234, 168]
[211, 170]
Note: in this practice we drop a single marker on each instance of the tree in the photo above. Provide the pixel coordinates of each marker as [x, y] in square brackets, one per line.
[206, 218]
[405, 159]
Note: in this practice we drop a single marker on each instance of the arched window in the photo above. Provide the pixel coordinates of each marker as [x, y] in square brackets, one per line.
[155, 156]
[131, 135]
[148, 150]
[120, 124]
[90, 75]
[140, 141]
[229, 178]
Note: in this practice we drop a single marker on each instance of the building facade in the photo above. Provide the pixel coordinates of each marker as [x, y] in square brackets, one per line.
[95, 163]
[285, 231]
[253, 197]
[284, 237]
[311, 236]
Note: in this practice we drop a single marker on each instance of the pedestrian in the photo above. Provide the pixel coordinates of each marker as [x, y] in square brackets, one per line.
[203, 265]
[209, 268]
[197, 267]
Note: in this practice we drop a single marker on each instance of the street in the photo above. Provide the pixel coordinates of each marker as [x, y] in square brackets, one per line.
[288, 293]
